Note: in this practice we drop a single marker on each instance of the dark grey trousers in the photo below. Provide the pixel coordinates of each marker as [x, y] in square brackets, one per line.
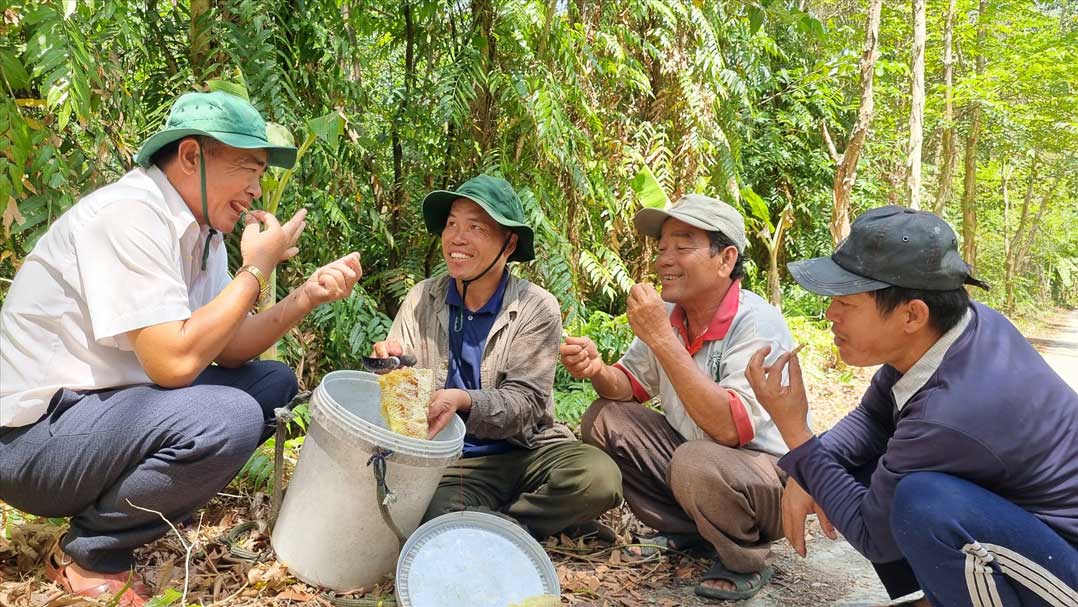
[94, 455]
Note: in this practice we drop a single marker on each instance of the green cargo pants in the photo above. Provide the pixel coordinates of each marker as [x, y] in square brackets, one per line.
[545, 489]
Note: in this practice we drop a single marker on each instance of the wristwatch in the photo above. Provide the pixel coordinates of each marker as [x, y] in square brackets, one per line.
[263, 284]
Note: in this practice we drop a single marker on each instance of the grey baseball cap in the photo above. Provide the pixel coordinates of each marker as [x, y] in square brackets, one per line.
[889, 246]
[696, 210]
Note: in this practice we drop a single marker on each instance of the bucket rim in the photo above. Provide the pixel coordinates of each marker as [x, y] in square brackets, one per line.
[323, 402]
[531, 549]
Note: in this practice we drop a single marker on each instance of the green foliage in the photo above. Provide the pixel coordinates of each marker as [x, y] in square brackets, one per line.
[572, 401]
[257, 473]
[589, 109]
[612, 336]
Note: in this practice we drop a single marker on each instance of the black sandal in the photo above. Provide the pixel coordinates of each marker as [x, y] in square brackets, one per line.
[745, 584]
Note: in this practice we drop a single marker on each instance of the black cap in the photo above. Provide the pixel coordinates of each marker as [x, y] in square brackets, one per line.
[889, 246]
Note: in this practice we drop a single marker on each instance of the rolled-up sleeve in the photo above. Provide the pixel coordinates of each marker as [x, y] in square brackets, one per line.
[642, 368]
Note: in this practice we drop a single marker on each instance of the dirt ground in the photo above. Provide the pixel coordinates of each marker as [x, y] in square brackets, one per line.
[591, 572]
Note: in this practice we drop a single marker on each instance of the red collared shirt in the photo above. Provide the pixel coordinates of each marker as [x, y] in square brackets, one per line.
[743, 324]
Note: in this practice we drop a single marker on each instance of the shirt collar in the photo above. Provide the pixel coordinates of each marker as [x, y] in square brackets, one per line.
[915, 379]
[452, 296]
[719, 325]
[179, 213]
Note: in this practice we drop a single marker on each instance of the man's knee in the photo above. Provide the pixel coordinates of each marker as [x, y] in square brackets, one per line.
[600, 484]
[926, 507]
[596, 420]
[692, 461]
[703, 469]
[920, 498]
[228, 421]
[281, 379]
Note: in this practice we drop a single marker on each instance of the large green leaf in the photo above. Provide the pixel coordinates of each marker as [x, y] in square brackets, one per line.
[232, 88]
[278, 134]
[648, 189]
[757, 207]
[13, 71]
[328, 128]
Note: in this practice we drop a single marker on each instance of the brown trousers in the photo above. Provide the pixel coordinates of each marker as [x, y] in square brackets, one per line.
[732, 497]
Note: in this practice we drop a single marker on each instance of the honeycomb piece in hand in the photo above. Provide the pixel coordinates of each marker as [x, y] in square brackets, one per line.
[405, 395]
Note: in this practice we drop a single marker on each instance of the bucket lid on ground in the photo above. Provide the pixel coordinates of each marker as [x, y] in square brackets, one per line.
[474, 559]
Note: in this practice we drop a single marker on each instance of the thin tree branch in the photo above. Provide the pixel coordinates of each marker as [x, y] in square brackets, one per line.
[187, 546]
[830, 144]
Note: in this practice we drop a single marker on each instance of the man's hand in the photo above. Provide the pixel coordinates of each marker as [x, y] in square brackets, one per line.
[387, 348]
[648, 317]
[332, 281]
[796, 506]
[444, 404]
[787, 405]
[267, 246]
[581, 357]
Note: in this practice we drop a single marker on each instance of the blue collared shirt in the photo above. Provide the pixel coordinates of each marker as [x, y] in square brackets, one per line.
[466, 354]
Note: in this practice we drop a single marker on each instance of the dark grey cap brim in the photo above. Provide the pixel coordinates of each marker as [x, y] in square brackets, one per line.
[823, 276]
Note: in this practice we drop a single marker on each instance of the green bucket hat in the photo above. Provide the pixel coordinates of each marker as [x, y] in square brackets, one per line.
[496, 197]
[227, 118]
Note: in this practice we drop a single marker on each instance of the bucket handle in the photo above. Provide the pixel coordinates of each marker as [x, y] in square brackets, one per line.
[283, 416]
[385, 494]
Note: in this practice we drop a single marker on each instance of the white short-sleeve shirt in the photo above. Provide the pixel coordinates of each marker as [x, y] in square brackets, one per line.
[743, 324]
[127, 256]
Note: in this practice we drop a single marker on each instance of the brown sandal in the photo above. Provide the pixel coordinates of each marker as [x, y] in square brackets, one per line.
[135, 592]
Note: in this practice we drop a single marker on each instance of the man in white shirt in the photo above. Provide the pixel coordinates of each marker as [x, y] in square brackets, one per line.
[705, 472]
[110, 404]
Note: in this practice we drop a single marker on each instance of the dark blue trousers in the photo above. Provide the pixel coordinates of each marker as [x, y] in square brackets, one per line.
[969, 546]
[95, 456]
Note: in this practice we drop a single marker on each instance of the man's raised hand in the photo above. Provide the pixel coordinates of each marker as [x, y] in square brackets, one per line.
[580, 357]
[264, 242]
[787, 404]
[293, 229]
[332, 281]
[648, 316]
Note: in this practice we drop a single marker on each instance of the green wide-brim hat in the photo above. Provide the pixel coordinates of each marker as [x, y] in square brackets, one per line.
[225, 117]
[496, 197]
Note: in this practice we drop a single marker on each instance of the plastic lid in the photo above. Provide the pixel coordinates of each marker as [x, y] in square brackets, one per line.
[474, 559]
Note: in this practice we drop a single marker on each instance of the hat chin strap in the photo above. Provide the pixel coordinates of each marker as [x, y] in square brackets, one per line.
[458, 326]
[205, 208]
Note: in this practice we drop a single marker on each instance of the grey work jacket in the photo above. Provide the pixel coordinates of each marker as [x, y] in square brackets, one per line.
[516, 402]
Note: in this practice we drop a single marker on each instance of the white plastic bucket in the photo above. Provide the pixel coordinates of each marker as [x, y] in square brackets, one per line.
[330, 532]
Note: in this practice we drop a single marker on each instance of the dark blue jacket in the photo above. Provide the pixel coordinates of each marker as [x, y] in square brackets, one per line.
[993, 413]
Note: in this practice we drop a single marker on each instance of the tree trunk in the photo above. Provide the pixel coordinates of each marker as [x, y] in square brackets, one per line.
[774, 248]
[1012, 245]
[1024, 236]
[1006, 171]
[483, 107]
[969, 183]
[847, 161]
[946, 176]
[200, 37]
[399, 194]
[917, 107]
